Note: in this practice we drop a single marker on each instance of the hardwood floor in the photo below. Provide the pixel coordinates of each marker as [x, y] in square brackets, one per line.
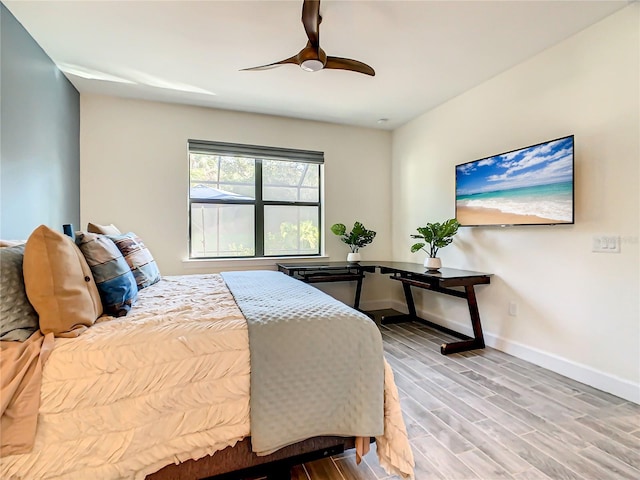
[487, 415]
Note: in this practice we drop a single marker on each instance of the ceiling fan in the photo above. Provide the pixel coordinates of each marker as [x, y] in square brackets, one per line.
[313, 58]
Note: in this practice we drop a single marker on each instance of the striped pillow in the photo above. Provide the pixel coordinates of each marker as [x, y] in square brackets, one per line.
[113, 277]
[139, 258]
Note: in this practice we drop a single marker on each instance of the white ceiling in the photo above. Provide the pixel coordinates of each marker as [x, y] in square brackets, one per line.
[191, 52]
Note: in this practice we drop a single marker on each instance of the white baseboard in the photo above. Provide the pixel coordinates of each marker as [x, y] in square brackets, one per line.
[581, 373]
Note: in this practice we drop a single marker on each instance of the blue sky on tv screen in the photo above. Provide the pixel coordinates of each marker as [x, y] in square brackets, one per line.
[544, 164]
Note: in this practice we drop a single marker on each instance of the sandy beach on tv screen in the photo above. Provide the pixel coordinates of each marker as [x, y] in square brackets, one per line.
[492, 216]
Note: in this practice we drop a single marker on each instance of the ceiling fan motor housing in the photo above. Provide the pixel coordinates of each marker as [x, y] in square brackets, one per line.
[312, 60]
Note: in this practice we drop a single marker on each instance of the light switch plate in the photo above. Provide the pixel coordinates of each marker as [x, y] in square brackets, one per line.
[606, 244]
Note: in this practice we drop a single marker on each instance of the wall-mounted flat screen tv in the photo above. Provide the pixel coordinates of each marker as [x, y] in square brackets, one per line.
[528, 186]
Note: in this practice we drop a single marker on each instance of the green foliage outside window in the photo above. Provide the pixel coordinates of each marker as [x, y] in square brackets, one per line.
[289, 238]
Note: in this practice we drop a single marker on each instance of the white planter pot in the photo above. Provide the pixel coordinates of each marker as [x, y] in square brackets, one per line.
[432, 263]
[353, 257]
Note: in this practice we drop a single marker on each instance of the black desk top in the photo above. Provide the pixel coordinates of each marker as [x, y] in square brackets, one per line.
[415, 268]
[301, 267]
[386, 267]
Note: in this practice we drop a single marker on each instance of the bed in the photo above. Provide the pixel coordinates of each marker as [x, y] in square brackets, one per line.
[165, 391]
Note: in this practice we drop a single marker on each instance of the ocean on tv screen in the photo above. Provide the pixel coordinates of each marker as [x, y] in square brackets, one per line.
[532, 185]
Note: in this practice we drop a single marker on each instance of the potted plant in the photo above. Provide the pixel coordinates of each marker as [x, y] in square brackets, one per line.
[357, 238]
[436, 236]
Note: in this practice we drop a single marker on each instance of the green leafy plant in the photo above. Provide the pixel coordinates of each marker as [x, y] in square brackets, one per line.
[436, 236]
[357, 238]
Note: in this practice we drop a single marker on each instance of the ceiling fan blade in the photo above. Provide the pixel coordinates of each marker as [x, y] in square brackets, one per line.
[313, 58]
[338, 63]
[293, 60]
[311, 21]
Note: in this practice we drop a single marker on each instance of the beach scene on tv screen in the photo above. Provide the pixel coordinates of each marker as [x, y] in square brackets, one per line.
[533, 185]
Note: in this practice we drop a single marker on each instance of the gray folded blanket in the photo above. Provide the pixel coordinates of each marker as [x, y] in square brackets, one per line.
[317, 365]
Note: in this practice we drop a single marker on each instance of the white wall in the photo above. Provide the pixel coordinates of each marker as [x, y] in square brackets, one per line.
[578, 311]
[134, 173]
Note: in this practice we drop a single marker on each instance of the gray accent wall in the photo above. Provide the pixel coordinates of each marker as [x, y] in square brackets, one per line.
[40, 137]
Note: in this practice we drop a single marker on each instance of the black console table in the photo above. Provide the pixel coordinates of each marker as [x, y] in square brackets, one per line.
[441, 281]
[329, 272]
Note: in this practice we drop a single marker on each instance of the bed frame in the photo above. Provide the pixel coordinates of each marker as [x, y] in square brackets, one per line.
[239, 461]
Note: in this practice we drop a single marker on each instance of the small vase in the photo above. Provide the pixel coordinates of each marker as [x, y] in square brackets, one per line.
[353, 257]
[433, 264]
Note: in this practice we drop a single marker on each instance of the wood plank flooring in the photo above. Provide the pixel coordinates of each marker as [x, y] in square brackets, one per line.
[487, 415]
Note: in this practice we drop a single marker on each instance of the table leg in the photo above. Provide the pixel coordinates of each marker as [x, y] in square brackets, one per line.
[356, 302]
[409, 299]
[478, 338]
[397, 317]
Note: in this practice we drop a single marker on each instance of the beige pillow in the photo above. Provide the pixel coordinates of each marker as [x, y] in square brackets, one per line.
[59, 283]
[103, 229]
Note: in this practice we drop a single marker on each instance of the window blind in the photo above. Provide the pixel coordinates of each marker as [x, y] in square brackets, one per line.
[256, 151]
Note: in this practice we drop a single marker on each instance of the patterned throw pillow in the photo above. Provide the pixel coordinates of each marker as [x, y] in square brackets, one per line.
[114, 279]
[139, 258]
[18, 319]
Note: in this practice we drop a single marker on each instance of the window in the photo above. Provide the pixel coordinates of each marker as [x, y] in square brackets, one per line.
[253, 201]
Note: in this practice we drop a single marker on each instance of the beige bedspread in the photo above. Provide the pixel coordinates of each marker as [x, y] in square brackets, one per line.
[167, 383]
[20, 378]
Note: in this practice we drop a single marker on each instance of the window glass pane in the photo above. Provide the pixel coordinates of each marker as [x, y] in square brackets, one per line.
[290, 181]
[291, 230]
[221, 177]
[222, 230]
[310, 191]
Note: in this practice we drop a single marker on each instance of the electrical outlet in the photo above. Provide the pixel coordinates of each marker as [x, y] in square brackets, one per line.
[513, 309]
[606, 244]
